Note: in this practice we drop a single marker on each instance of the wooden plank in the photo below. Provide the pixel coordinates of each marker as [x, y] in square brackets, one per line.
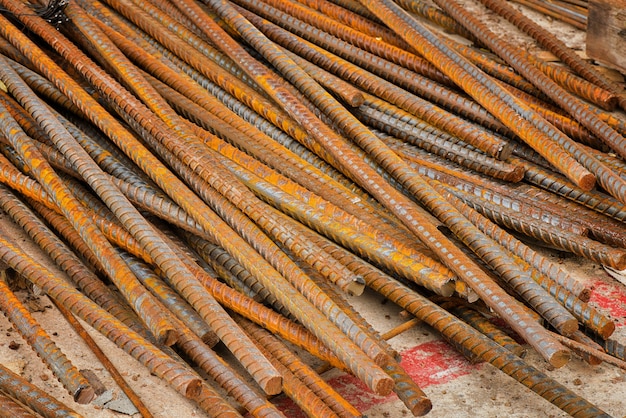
[606, 33]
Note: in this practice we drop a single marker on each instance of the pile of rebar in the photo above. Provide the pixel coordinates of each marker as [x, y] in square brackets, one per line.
[234, 168]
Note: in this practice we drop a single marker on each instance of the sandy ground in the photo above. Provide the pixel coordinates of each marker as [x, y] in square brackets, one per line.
[456, 387]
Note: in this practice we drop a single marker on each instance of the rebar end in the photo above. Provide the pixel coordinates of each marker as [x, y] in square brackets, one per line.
[84, 395]
[273, 385]
[421, 407]
[560, 358]
[383, 386]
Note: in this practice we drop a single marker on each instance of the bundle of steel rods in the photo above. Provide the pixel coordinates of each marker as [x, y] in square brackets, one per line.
[227, 171]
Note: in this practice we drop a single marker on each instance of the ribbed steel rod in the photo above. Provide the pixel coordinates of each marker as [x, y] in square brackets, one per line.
[472, 342]
[11, 409]
[509, 110]
[302, 371]
[170, 299]
[115, 374]
[118, 271]
[398, 134]
[355, 21]
[554, 183]
[43, 87]
[39, 340]
[182, 379]
[564, 240]
[483, 325]
[580, 111]
[38, 400]
[375, 84]
[283, 12]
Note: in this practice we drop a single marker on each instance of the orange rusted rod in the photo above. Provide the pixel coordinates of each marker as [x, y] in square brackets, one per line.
[93, 346]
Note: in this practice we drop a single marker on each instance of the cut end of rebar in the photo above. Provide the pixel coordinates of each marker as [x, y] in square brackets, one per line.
[421, 407]
[568, 327]
[168, 337]
[593, 361]
[515, 175]
[193, 389]
[560, 358]
[587, 182]
[619, 261]
[584, 295]
[354, 99]
[210, 338]
[355, 287]
[84, 395]
[505, 151]
[272, 385]
[608, 101]
[383, 386]
[447, 290]
[607, 330]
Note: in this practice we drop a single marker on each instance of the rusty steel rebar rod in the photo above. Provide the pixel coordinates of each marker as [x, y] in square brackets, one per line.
[186, 155]
[39, 340]
[232, 273]
[176, 304]
[577, 20]
[182, 379]
[513, 113]
[476, 345]
[36, 399]
[9, 408]
[102, 358]
[522, 199]
[301, 370]
[374, 81]
[117, 270]
[596, 200]
[394, 201]
[355, 21]
[575, 107]
[42, 86]
[74, 267]
[564, 240]
[482, 324]
[402, 137]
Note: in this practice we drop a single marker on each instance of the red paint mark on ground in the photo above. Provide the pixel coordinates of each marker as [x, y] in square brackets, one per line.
[611, 299]
[431, 363]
